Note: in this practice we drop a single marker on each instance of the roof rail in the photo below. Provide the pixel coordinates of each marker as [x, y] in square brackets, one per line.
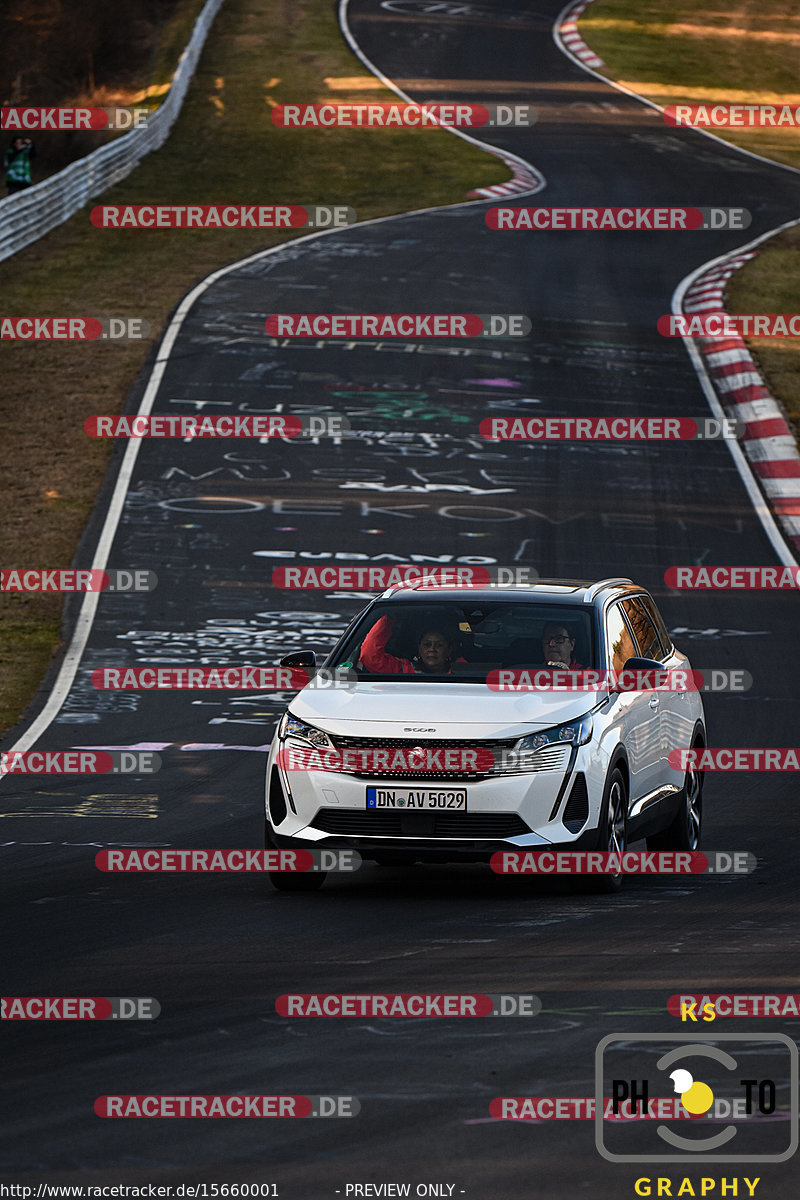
[592, 591]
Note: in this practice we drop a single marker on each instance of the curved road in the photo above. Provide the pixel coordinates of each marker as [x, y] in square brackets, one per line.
[213, 519]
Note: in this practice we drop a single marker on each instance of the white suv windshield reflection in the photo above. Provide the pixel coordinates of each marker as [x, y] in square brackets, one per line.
[448, 641]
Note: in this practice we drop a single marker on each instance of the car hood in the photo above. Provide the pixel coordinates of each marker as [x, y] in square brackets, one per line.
[454, 710]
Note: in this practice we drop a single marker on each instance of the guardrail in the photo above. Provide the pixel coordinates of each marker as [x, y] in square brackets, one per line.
[28, 215]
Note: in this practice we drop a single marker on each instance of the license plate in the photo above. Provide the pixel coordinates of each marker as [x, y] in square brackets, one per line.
[416, 799]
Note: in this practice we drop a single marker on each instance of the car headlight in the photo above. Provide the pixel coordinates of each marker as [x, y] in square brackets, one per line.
[290, 727]
[577, 733]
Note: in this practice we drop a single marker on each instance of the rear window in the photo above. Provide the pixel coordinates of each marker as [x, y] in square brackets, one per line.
[643, 628]
[649, 606]
[621, 645]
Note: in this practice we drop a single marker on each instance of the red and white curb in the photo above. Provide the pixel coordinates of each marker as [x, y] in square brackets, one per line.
[525, 178]
[767, 439]
[567, 30]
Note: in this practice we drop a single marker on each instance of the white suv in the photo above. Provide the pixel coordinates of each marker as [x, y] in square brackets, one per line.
[584, 769]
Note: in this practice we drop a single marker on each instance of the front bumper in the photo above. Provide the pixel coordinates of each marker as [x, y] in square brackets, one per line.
[556, 806]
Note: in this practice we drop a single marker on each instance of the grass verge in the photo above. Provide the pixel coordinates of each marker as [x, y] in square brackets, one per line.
[728, 53]
[740, 52]
[771, 283]
[224, 148]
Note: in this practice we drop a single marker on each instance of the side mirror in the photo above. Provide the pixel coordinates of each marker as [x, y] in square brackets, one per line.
[305, 659]
[638, 665]
[643, 664]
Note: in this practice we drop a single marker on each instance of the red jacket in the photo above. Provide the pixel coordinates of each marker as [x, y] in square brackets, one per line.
[374, 657]
[373, 652]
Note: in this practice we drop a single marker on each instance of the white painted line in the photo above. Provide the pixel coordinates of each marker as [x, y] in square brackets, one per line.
[85, 619]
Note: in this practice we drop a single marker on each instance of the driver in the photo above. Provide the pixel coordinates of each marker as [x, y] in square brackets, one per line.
[558, 646]
[436, 651]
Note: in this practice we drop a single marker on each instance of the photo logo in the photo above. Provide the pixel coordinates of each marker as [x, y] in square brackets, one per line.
[728, 1085]
[696, 1098]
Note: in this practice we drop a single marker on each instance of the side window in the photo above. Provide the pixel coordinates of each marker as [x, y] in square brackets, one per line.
[643, 630]
[655, 616]
[620, 643]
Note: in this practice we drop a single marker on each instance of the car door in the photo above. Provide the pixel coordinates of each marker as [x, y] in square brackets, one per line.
[638, 713]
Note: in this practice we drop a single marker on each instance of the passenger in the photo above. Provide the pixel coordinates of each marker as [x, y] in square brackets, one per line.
[17, 164]
[436, 651]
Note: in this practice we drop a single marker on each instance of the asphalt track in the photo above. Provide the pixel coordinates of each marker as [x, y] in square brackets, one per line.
[417, 480]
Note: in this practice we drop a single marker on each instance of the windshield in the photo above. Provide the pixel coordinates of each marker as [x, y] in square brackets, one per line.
[465, 641]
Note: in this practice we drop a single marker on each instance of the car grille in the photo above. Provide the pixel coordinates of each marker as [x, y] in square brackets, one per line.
[549, 758]
[356, 822]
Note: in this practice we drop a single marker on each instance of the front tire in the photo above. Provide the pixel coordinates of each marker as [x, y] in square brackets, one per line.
[291, 881]
[684, 831]
[612, 835]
